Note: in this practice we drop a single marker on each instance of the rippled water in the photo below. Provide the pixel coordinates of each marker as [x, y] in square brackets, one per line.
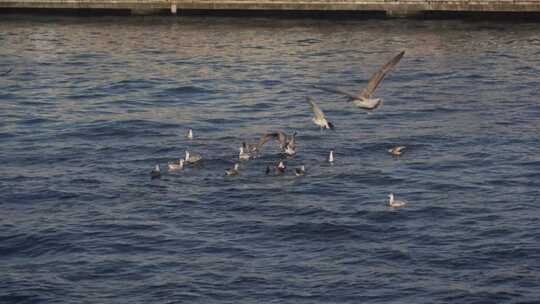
[92, 104]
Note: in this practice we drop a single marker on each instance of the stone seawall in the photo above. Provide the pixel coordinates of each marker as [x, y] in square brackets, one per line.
[390, 7]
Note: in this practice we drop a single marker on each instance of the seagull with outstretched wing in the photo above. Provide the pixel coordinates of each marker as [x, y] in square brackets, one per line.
[287, 143]
[364, 100]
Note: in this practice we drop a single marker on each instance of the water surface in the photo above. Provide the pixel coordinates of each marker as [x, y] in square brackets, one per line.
[93, 103]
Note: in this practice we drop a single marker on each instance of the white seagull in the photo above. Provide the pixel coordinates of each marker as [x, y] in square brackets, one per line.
[393, 203]
[192, 158]
[176, 166]
[331, 156]
[189, 134]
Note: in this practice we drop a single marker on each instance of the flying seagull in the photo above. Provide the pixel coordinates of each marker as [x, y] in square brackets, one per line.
[250, 150]
[364, 100]
[287, 143]
[318, 115]
[245, 152]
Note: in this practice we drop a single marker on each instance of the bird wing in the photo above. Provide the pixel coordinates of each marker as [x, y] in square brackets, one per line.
[282, 138]
[279, 136]
[319, 114]
[379, 76]
[338, 91]
[292, 141]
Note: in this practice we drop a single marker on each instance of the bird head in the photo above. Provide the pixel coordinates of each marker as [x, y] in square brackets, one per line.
[330, 126]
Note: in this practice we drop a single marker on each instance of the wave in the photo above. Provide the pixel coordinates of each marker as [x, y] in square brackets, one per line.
[118, 129]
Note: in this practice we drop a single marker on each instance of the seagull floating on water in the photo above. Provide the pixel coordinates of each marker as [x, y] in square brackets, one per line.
[176, 166]
[280, 169]
[395, 203]
[192, 158]
[331, 156]
[287, 143]
[189, 134]
[396, 151]
[233, 171]
[156, 173]
[319, 118]
[300, 171]
[364, 100]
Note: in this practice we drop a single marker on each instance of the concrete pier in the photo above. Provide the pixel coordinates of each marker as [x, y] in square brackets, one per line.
[392, 8]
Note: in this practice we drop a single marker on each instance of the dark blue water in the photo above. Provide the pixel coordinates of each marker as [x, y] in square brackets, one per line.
[93, 104]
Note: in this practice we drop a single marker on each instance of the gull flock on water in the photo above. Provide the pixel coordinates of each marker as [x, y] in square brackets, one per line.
[287, 142]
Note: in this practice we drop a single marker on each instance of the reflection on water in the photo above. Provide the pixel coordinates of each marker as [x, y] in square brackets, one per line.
[94, 103]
